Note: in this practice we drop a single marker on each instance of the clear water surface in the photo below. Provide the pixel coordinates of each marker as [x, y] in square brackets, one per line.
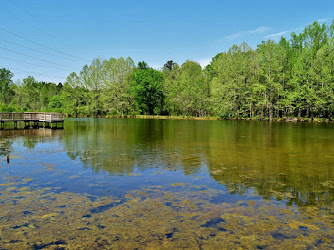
[167, 184]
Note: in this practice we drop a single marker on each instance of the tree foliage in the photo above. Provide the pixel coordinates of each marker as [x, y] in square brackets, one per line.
[146, 85]
[6, 91]
[290, 78]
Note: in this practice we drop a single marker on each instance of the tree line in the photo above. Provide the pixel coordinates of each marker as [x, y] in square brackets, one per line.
[289, 78]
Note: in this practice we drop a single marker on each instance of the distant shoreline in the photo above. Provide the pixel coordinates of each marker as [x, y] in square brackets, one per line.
[162, 117]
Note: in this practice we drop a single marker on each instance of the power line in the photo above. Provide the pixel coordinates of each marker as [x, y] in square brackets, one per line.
[19, 53]
[33, 17]
[14, 34]
[40, 74]
[40, 30]
[38, 51]
[32, 64]
[35, 73]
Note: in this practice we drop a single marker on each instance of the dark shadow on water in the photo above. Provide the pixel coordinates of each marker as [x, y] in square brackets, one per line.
[214, 223]
[103, 208]
[42, 246]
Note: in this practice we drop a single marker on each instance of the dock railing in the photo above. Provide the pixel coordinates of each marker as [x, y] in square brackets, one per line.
[12, 117]
[51, 117]
[32, 119]
[32, 116]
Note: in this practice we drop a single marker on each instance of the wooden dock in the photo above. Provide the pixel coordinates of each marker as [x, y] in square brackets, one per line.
[33, 119]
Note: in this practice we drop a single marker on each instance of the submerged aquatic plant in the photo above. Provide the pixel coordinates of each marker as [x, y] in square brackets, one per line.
[182, 217]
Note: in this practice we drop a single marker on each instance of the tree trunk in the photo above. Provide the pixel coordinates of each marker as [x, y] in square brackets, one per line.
[150, 109]
[307, 112]
[278, 116]
[250, 110]
[330, 114]
[271, 113]
[312, 115]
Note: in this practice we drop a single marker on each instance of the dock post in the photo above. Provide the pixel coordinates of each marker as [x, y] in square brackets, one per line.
[15, 124]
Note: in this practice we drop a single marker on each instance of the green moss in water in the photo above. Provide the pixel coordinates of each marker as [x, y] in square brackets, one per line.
[158, 217]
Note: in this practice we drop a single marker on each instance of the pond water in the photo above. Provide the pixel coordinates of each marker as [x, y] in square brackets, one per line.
[167, 184]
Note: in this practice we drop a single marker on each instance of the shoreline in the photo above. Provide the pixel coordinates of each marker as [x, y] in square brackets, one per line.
[162, 117]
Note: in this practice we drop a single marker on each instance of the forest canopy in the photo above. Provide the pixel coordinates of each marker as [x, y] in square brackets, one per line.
[289, 78]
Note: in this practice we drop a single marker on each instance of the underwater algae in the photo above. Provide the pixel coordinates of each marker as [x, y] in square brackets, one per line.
[73, 192]
[157, 217]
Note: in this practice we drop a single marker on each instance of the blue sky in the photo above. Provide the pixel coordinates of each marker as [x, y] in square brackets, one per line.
[50, 39]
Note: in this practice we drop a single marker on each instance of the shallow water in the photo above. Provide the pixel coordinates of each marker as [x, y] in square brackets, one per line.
[132, 183]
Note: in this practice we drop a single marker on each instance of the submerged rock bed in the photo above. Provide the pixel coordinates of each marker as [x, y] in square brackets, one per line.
[159, 217]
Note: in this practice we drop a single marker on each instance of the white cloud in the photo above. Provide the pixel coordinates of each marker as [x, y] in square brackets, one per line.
[259, 30]
[204, 62]
[279, 34]
[155, 66]
[322, 20]
[233, 36]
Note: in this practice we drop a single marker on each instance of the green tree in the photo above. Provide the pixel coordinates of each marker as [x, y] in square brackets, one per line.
[6, 92]
[170, 71]
[271, 58]
[146, 85]
[191, 89]
[116, 85]
[230, 85]
[74, 96]
[169, 65]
